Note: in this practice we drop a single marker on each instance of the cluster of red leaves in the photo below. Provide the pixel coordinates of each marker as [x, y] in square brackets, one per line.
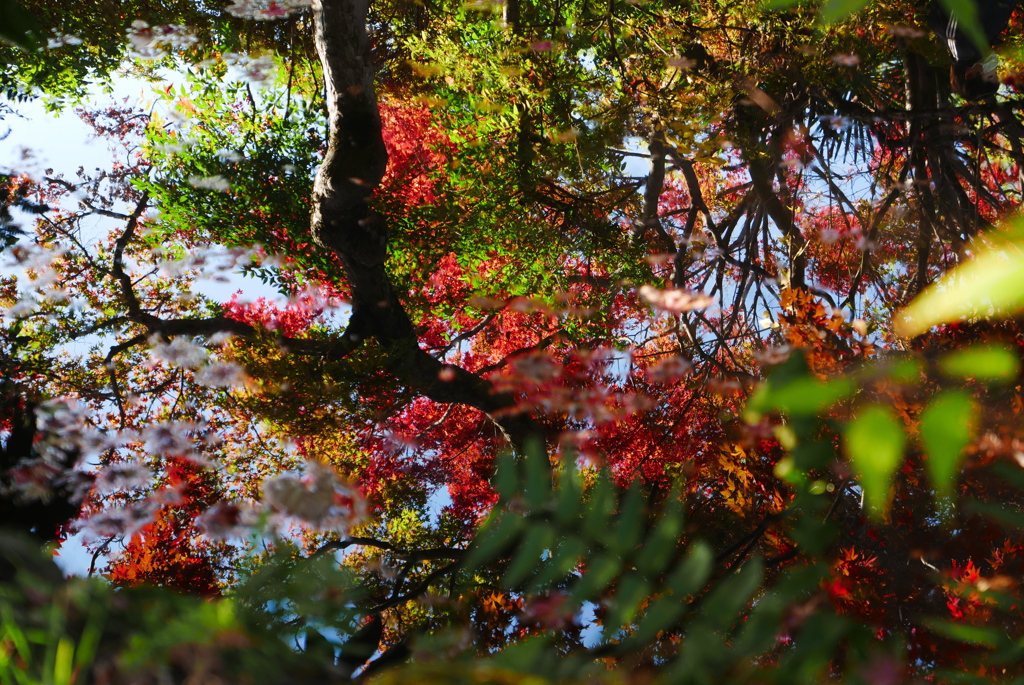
[294, 319]
[169, 551]
[417, 150]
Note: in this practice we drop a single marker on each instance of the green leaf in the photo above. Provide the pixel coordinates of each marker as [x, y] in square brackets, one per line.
[945, 431]
[561, 563]
[18, 26]
[63, 662]
[904, 370]
[661, 615]
[1010, 517]
[837, 10]
[570, 492]
[723, 605]
[803, 396]
[631, 520]
[661, 544]
[874, 442]
[988, 363]
[601, 569]
[598, 509]
[538, 475]
[528, 557]
[778, 4]
[506, 476]
[694, 571]
[991, 284]
[968, 21]
[632, 590]
[497, 534]
[975, 635]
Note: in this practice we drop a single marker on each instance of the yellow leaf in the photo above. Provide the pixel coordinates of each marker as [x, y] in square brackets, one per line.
[991, 284]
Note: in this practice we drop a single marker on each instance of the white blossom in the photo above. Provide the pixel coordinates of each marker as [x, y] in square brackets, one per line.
[319, 498]
[227, 519]
[829, 236]
[674, 300]
[773, 355]
[171, 439]
[122, 476]
[266, 10]
[538, 368]
[31, 480]
[61, 39]
[152, 42]
[219, 339]
[222, 375]
[180, 351]
[63, 428]
[218, 183]
[226, 155]
[668, 369]
[117, 522]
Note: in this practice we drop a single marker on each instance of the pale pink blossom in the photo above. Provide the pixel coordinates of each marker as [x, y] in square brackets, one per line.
[773, 355]
[118, 522]
[227, 519]
[669, 369]
[674, 300]
[122, 476]
[262, 10]
[539, 368]
[171, 439]
[218, 183]
[319, 498]
[180, 351]
[222, 375]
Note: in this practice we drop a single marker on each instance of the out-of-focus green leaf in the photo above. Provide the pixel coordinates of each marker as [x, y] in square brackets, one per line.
[904, 370]
[804, 396]
[538, 475]
[598, 509]
[661, 614]
[660, 545]
[538, 538]
[498, 533]
[506, 476]
[600, 571]
[562, 561]
[874, 442]
[991, 284]
[570, 492]
[945, 431]
[631, 520]
[722, 607]
[632, 590]
[837, 10]
[63, 662]
[968, 21]
[989, 363]
[1011, 517]
[977, 635]
[17, 26]
[694, 571]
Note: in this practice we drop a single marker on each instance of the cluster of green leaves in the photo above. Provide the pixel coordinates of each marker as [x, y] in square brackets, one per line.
[58, 631]
[580, 541]
[34, 57]
[262, 144]
[874, 439]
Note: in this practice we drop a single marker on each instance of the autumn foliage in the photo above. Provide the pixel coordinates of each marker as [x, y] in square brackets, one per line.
[566, 343]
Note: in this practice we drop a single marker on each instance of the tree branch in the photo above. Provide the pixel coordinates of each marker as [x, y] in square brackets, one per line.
[343, 222]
